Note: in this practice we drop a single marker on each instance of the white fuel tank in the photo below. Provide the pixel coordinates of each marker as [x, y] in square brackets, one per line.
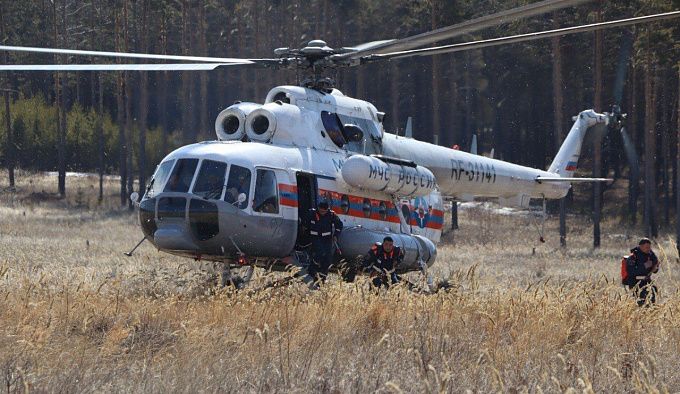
[389, 175]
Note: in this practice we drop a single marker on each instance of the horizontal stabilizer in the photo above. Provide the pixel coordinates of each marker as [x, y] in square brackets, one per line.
[541, 179]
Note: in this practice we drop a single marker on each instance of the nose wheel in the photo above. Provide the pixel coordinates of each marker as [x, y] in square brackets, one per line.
[238, 277]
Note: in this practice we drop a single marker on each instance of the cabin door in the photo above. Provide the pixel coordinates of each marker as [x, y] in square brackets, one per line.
[307, 198]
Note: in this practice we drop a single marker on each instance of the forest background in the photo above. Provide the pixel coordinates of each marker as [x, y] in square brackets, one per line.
[518, 99]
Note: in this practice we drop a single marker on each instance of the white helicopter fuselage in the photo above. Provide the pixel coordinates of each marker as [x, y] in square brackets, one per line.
[243, 198]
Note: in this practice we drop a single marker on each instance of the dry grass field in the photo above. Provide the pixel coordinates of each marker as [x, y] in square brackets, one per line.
[78, 316]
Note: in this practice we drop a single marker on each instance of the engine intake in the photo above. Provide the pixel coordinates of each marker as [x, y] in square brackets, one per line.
[261, 125]
[230, 123]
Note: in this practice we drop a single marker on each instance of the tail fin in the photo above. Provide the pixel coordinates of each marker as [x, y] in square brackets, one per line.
[566, 160]
[473, 145]
[408, 132]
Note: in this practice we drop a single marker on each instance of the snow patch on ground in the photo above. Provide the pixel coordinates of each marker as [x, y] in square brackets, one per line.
[494, 208]
[83, 175]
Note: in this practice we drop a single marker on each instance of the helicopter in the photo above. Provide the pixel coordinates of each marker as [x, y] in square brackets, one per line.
[239, 199]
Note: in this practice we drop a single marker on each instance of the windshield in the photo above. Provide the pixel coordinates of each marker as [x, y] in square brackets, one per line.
[181, 176]
[210, 180]
[333, 127]
[158, 179]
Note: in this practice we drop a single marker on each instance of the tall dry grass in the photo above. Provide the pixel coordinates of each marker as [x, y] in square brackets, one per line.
[77, 315]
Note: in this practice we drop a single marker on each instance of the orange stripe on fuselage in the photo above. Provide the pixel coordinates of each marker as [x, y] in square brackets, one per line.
[392, 216]
[288, 188]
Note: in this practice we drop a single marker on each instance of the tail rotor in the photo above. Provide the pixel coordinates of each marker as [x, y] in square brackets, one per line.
[617, 117]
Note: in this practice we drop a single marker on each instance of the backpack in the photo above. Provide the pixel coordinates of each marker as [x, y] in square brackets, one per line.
[627, 276]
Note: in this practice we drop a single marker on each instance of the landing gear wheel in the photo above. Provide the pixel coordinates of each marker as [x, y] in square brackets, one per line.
[429, 282]
[238, 281]
[348, 272]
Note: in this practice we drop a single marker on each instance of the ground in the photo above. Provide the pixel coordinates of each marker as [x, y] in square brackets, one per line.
[78, 315]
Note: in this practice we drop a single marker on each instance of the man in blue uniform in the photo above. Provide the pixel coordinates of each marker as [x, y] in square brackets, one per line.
[324, 227]
[381, 262]
[638, 269]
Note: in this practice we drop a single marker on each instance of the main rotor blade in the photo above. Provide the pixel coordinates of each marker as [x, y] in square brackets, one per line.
[462, 28]
[631, 155]
[78, 52]
[119, 67]
[519, 38]
[368, 46]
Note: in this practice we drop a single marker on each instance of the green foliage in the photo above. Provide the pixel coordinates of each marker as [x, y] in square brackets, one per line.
[34, 126]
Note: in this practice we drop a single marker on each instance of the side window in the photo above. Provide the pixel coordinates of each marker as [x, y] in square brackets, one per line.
[210, 180]
[266, 193]
[239, 182]
[333, 127]
[158, 179]
[344, 204]
[181, 176]
[366, 207]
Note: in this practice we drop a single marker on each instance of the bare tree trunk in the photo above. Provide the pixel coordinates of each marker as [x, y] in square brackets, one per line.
[205, 126]
[666, 146]
[436, 124]
[255, 84]
[677, 179]
[650, 152]
[558, 119]
[59, 101]
[453, 111]
[597, 149]
[143, 102]
[163, 90]
[240, 44]
[64, 108]
[98, 97]
[120, 104]
[361, 84]
[188, 124]
[100, 135]
[394, 93]
[454, 132]
[9, 152]
[632, 129]
[128, 107]
[674, 151]
[469, 123]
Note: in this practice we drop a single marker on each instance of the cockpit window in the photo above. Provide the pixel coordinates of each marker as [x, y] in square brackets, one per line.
[266, 192]
[239, 182]
[372, 142]
[210, 181]
[158, 179]
[333, 127]
[181, 176]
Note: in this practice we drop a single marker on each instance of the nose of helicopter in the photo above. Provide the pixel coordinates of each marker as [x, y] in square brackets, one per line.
[181, 223]
[174, 237]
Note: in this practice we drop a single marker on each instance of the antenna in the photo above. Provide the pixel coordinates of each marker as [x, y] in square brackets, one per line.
[473, 145]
